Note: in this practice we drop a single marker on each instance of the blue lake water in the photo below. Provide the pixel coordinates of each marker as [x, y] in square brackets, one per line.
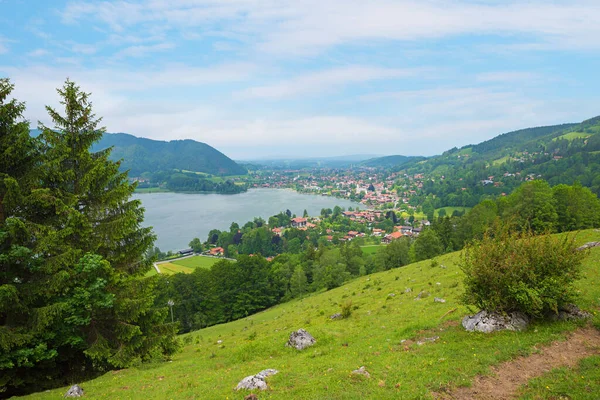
[177, 218]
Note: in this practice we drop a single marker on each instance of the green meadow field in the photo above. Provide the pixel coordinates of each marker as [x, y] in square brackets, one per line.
[185, 265]
[413, 348]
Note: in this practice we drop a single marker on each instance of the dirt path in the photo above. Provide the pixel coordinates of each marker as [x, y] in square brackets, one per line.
[507, 377]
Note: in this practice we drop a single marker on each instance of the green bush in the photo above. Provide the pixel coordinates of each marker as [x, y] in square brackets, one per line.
[346, 309]
[521, 272]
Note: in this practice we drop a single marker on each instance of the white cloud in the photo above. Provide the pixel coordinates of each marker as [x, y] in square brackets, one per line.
[310, 26]
[324, 80]
[38, 53]
[508, 76]
[144, 50]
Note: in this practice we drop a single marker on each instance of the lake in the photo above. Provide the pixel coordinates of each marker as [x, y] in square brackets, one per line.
[177, 218]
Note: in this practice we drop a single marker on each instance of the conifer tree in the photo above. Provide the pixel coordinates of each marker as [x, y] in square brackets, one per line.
[84, 297]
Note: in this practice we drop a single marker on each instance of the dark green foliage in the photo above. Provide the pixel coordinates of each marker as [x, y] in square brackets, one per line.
[577, 207]
[521, 272]
[228, 291]
[73, 253]
[140, 155]
[532, 206]
[394, 255]
[427, 245]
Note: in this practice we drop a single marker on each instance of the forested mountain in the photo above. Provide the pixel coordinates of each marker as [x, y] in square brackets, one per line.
[145, 155]
[389, 161]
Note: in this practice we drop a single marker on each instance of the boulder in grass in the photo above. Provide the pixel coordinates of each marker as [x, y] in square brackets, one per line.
[300, 340]
[570, 312]
[74, 391]
[256, 382]
[252, 383]
[487, 322]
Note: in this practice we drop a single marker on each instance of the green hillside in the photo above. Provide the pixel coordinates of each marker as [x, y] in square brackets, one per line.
[390, 161]
[145, 155]
[411, 348]
[560, 154]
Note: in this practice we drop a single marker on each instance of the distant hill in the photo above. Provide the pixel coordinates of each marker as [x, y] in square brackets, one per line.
[314, 162]
[390, 161]
[145, 155]
[558, 154]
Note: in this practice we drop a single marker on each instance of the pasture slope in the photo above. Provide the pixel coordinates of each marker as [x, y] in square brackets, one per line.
[412, 348]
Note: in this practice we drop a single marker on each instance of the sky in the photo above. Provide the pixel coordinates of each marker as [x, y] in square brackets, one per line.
[309, 78]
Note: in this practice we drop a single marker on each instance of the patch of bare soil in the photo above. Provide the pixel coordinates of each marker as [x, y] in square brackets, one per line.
[506, 378]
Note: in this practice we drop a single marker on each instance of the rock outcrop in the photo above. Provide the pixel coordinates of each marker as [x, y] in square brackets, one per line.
[570, 312]
[300, 340]
[487, 322]
[256, 382]
[74, 391]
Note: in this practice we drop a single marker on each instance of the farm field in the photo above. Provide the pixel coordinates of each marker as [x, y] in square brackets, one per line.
[411, 347]
[573, 135]
[185, 265]
[196, 262]
[371, 249]
[450, 210]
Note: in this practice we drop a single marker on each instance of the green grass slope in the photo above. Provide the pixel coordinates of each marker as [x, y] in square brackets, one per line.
[387, 333]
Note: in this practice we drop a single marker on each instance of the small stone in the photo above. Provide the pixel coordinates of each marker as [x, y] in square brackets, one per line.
[392, 295]
[425, 340]
[588, 245]
[422, 295]
[443, 266]
[336, 316]
[361, 371]
[74, 391]
[219, 341]
[438, 283]
[407, 290]
[300, 339]
[438, 300]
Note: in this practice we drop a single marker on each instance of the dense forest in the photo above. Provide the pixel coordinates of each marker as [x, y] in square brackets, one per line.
[141, 155]
[179, 181]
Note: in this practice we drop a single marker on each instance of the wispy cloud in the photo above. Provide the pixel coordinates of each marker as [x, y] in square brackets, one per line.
[144, 50]
[320, 81]
[309, 26]
[38, 53]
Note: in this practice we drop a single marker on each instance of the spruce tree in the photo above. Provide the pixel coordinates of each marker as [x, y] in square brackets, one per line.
[87, 303]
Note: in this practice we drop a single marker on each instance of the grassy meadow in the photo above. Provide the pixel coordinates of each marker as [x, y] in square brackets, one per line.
[371, 249]
[185, 265]
[411, 347]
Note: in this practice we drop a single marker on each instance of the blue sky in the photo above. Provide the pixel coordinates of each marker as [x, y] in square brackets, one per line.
[303, 78]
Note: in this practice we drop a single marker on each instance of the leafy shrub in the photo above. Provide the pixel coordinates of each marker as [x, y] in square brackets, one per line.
[521, 272]
[346, 309]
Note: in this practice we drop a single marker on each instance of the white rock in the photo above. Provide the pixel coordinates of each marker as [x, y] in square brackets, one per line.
[488, 322]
